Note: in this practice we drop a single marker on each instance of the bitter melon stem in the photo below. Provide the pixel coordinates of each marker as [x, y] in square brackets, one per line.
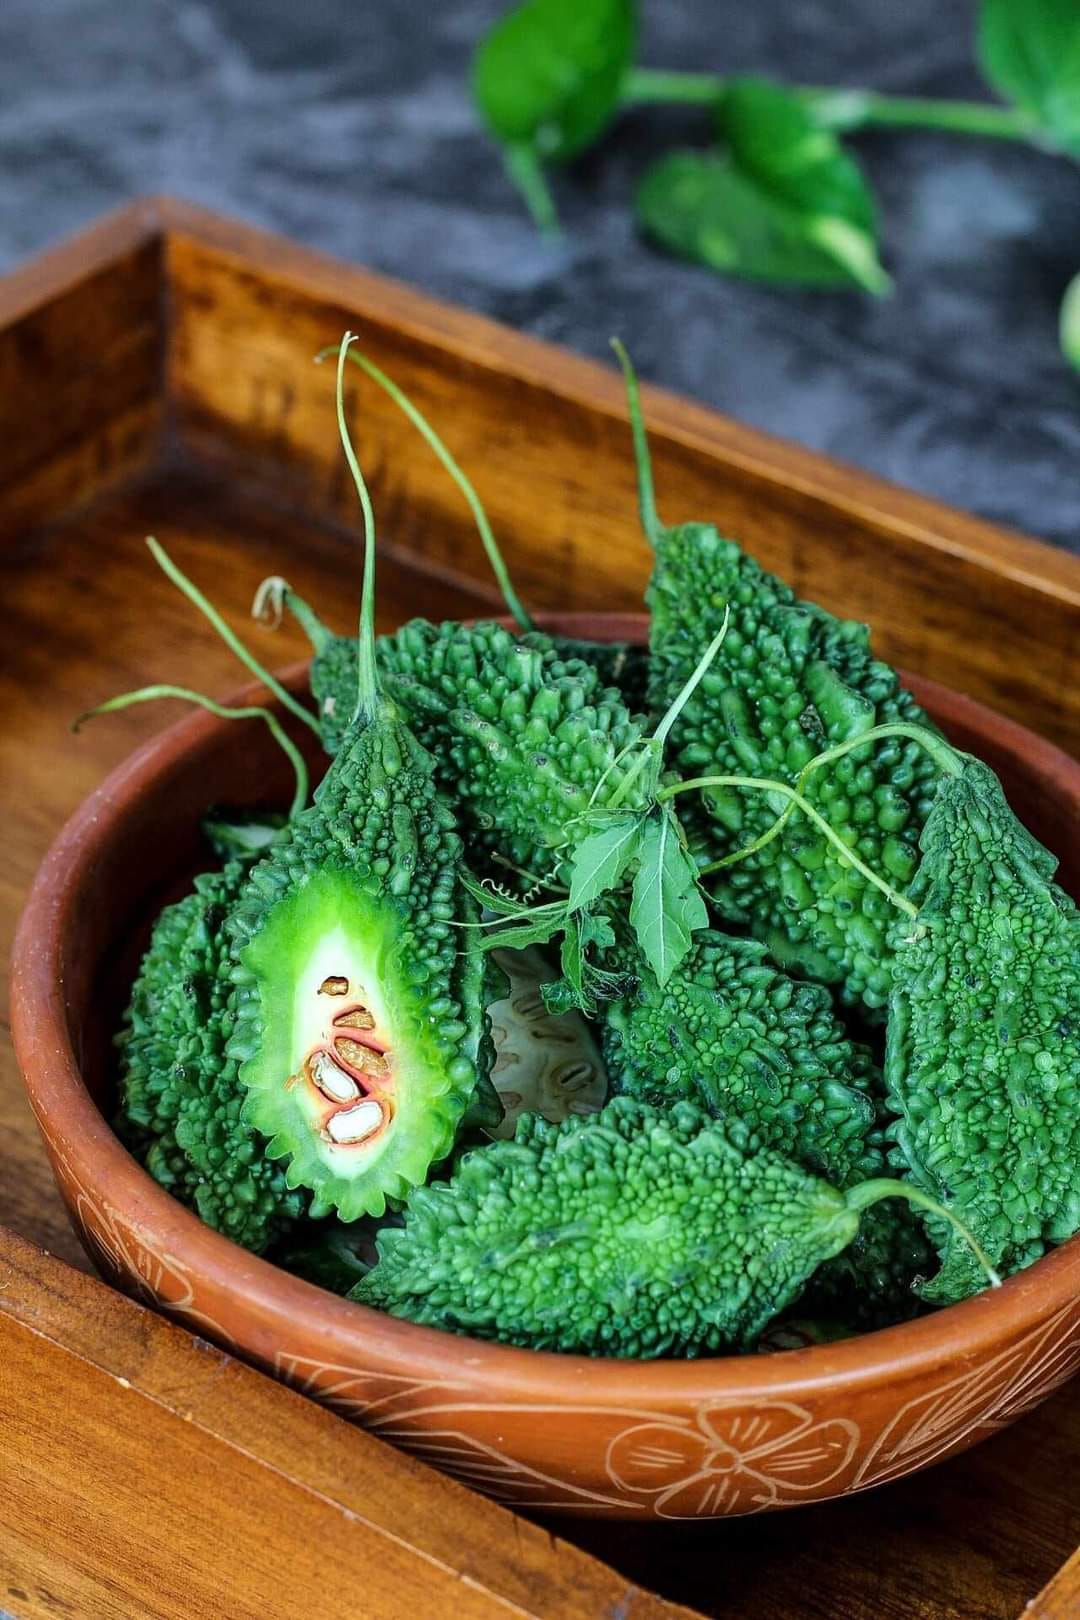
[881, 1187]
[276, 593]
[367, 693]
[949, 760]
[517, 609]
[766, 785]
[654, 745]
[209, 612]
[150, 694]
[650, 520]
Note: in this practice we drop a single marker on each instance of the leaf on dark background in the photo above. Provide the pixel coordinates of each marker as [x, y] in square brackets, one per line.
[785, 202]
[550, 74]
[667, 905]
[1070, 323]
[1029, 50]
[777, 142]
[596, 931]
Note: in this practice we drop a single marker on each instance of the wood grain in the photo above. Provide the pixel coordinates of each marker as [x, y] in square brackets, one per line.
[544, 434]
[1060, 1600]
[216, 1493]
[87, 614]
[82, 342]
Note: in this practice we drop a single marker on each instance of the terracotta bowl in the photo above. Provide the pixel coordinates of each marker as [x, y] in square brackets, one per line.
[666, 1439]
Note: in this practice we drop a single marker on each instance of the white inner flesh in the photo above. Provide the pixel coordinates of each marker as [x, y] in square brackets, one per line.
[332, 1081]
[341, 1115]
[354, 1124]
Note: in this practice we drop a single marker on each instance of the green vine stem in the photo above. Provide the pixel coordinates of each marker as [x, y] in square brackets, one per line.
[150, 694]
[228, 636]
[945, 757]
[457, 473]
[654, 745]
[527, 172]
[843, 110]
[881, 1187]
[660, 735]
[367, 674]
[765, 785]
[270, 599]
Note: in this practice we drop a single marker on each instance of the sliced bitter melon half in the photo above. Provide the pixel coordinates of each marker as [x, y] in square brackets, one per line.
[358, 1053]
[360, 1000]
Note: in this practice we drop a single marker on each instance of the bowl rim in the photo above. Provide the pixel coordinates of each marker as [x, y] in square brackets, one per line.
[75, 1128]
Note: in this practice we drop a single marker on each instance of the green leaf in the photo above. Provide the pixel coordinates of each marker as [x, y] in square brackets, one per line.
[1070, 323]
[776, 141]
[596, 931]
[572, 957]
[242, 834]
[504, 905]
[601, 859]
[786, 203]
[667, 905]
[1029, 50]
[549, 76]
[518, 936]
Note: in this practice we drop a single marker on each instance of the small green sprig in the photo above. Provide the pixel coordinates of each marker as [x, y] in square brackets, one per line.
[605, 844]
[777, 196]
[667, 904]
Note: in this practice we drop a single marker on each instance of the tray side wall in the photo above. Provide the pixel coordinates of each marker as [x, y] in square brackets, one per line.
[82, 334]
[545, 437]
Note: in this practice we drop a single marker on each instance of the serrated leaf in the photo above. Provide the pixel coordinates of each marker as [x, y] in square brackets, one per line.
[550, 73]
[503, 905]
[667, 906]
[518, 936]
[572, 956]
[596, 931]
[784, 203]
[601, 859]
[1029, 50]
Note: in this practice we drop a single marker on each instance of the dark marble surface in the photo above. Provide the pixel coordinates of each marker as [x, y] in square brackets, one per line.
[347, 124]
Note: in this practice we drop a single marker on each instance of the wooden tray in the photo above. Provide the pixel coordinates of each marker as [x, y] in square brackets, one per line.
[155, 377]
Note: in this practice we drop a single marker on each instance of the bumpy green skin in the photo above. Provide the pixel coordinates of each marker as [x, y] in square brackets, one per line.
[789, 681]
[618, 664]
[333, 669]
[632, 1232]
[377, 854]
[521, 739]
[333, 679]
[180, 1106]
[737, 1037]
[983, 1041]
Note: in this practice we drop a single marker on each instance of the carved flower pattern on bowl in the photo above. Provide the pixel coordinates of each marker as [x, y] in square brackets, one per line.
[730, 1459]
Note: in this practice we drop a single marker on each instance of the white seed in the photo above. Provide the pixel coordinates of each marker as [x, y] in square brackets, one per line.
[353, 1124]
[332, 1081]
